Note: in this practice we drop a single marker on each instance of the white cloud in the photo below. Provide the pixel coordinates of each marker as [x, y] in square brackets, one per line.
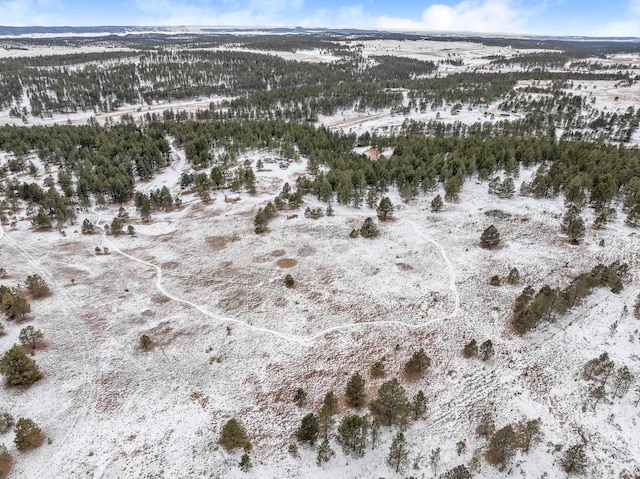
[469, 15]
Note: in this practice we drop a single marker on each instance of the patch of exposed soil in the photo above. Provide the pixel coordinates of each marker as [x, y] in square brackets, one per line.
[287, 262]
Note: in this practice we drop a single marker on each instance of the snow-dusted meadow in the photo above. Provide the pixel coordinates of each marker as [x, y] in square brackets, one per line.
[230, 340]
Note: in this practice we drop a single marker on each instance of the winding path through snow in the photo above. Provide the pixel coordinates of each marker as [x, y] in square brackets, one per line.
[306, 341]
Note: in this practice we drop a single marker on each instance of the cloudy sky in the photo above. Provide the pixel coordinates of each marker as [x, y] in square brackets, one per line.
[553, 17]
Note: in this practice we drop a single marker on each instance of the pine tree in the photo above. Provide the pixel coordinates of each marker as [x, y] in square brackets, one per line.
[530, 433]
[507, 188]
[308, 430]
[385, 209]
[486, 350]
[576, 230]
[514, 276]
[375, 433]
[390, 406]
[417, 364]
[36, 286]
[490, 238]
[27, 434]
[398, 457]
[18, 368]
[369, 229]
[437, 204]
[434, 460]
[574, 460]
[15, 304]
[355, 391]
[419, 405]
[325, 453]
[352, 434]
[300, 397]
[29, 335]
[116, 226]
[245, 463]
[470, 349]
[233, 436]
[502, 447]
[622, 381]
[87, 227]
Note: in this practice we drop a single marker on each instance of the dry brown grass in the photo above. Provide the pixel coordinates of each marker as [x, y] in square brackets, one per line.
[287, 262]
[277, 253]
[160, 299]
[218, 243]
[404, 266]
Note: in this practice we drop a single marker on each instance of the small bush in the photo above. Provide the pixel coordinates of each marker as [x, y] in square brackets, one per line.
[145, 342]
[289, 281]
[233, 436]
[6, 422]
[28, 434]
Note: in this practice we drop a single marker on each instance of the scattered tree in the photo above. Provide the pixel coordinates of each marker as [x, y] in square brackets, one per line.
[434, 460]
[470, 349]
[29, 335]
[325, 453]
[458, 472]
[300, 397]
[437, 204]
[87, 227]
[36, 286]
[18, 368]
[486, 350]
[514, 276]
[355, 391]
[490, 238]
[27, 434]
[385, 209]
[398, 457]
[502, 447]
[308, 430]
[6, 422]
[15, 305]
[418, 363]
[233, 436]
[390, 406]
[574, 460]
[622, 380]
[530, 433]
[419, 405]
[369, 229]
[353, 433]
[245, 463]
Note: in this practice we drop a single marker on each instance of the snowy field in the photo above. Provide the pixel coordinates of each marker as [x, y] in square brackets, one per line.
[230, 340]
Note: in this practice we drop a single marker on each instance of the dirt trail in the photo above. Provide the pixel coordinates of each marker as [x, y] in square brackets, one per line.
[305, 341]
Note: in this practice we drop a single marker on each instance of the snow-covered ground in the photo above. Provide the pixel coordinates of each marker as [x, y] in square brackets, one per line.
[230, 340]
